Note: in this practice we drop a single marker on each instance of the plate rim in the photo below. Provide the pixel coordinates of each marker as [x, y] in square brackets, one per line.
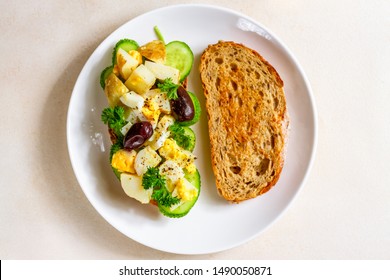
[310, 96]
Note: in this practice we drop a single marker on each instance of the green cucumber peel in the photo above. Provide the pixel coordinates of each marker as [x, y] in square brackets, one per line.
[179, 56]
[105, 73]
[125, 44]
[185, 208]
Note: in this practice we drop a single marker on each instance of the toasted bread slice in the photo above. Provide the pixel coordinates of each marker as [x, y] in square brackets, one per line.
[247, 119]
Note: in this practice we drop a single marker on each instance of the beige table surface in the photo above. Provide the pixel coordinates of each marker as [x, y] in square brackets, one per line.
[343, 212]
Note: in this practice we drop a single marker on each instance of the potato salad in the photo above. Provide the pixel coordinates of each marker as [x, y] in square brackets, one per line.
[149, 116]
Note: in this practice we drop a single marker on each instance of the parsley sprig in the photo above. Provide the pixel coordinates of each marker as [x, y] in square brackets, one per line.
[169, 87]
[164, 197]
[153, 179]
[179, 135]
[115, 118]
[115, 147]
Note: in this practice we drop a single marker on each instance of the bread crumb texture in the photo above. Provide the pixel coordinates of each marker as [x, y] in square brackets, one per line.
[247, 119]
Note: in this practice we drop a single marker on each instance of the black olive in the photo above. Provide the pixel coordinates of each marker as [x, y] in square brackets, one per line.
[137, 135]
[182, 106]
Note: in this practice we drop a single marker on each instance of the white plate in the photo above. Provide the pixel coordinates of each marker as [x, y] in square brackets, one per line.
[213, 224]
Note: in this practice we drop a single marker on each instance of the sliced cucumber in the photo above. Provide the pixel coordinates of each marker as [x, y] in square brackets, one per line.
[183, 209]
[183, 135]
[190, 134]
[197, 109]
[179, 55]
[114, 148]
[117, 173]
[125, 44]
[103, 76]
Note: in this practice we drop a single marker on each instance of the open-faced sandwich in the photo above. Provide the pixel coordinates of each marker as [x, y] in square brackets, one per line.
[149, 117]
[247, 119]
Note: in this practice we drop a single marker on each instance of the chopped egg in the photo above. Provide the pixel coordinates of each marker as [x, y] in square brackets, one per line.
[140, 80]
[132, 100]
[163, 102]
[115, 70]
[172, 172]
[165, 123]
[123, 160]
[160, 98]
[191, 168]
[114, 89]
[136, 55]
[126, 63]
[126, 128]
[135, 115]
[151, 112]
[171, 151]
[161, 132]
[163, 72]
[185, 190]
[146, 158]
[132, 115]
[158, 142]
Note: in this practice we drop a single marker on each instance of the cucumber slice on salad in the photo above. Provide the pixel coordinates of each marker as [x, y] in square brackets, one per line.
[105, 73]
[125, 44]
[179, 55]
[190, 135]
[197, 109]
[117, 173]
[183, 135]
[183, 209]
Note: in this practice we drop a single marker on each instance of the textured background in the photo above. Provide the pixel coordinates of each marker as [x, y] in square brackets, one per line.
[343, 212]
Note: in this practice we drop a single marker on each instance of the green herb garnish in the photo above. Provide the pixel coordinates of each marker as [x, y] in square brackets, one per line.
[179, 135]
[115, 147]
[153, 179]
[164, 197]
[115, 118]
[159, 34]
[169, 87]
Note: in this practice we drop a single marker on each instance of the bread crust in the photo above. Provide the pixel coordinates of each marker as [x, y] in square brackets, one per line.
[247, 119]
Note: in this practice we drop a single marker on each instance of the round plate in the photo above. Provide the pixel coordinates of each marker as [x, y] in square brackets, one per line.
[213, 224]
